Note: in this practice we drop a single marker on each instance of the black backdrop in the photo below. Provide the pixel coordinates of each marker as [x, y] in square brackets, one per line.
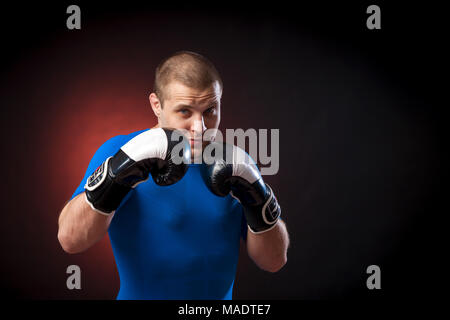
[361, 133]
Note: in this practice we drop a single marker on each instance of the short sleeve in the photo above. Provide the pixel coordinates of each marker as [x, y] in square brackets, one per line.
[244, 227]
[238, 210]
[109, 148]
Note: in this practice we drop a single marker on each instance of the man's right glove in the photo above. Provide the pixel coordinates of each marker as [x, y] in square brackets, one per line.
[148, 153]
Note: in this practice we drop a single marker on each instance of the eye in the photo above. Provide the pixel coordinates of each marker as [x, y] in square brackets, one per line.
[211, 110]
[184, 112]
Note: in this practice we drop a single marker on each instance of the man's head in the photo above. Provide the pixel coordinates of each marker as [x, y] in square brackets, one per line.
[187, 94]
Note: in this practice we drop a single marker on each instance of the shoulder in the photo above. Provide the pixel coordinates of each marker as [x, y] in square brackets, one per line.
[111, 146]
[118, 141]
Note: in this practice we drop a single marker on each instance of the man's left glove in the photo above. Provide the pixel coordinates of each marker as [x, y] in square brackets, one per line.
[231, 169]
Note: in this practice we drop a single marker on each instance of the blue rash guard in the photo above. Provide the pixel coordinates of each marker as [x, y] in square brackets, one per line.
[173, 242]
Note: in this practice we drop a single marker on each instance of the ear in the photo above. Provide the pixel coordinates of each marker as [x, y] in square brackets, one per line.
[155, 103]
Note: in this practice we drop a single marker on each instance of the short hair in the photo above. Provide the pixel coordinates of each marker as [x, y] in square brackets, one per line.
[190, 68]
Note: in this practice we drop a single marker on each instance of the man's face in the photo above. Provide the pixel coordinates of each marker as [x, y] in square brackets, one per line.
[193, 110]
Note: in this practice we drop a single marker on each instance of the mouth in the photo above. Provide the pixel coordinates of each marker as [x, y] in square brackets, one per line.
[196, 144]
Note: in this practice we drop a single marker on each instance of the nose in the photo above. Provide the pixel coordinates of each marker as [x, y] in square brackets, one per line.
[197, 127]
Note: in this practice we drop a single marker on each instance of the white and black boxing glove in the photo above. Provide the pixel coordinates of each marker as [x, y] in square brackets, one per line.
[229, 169]
[150, 152]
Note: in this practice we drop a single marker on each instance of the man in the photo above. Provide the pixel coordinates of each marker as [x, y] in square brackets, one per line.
[175, 236]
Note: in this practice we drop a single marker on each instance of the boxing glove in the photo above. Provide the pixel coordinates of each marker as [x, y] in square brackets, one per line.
[230, 170]
[150, 152]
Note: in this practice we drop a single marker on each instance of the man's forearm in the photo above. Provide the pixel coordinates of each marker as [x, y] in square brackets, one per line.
[80, 226]
[269, 249]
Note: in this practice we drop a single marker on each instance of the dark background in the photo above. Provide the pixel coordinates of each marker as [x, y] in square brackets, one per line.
[360, 113]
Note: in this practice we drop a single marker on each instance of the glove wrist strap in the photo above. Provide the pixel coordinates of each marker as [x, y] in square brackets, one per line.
[262, 218]
[102, 192]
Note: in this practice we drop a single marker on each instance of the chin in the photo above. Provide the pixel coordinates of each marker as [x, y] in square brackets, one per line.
[196, 154]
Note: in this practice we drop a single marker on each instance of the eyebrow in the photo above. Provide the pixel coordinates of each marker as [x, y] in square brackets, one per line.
[183, 105]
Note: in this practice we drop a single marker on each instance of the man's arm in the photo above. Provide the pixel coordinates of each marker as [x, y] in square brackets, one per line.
[269, 249]
[234, 172]
[80, 226]
[86, 218]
